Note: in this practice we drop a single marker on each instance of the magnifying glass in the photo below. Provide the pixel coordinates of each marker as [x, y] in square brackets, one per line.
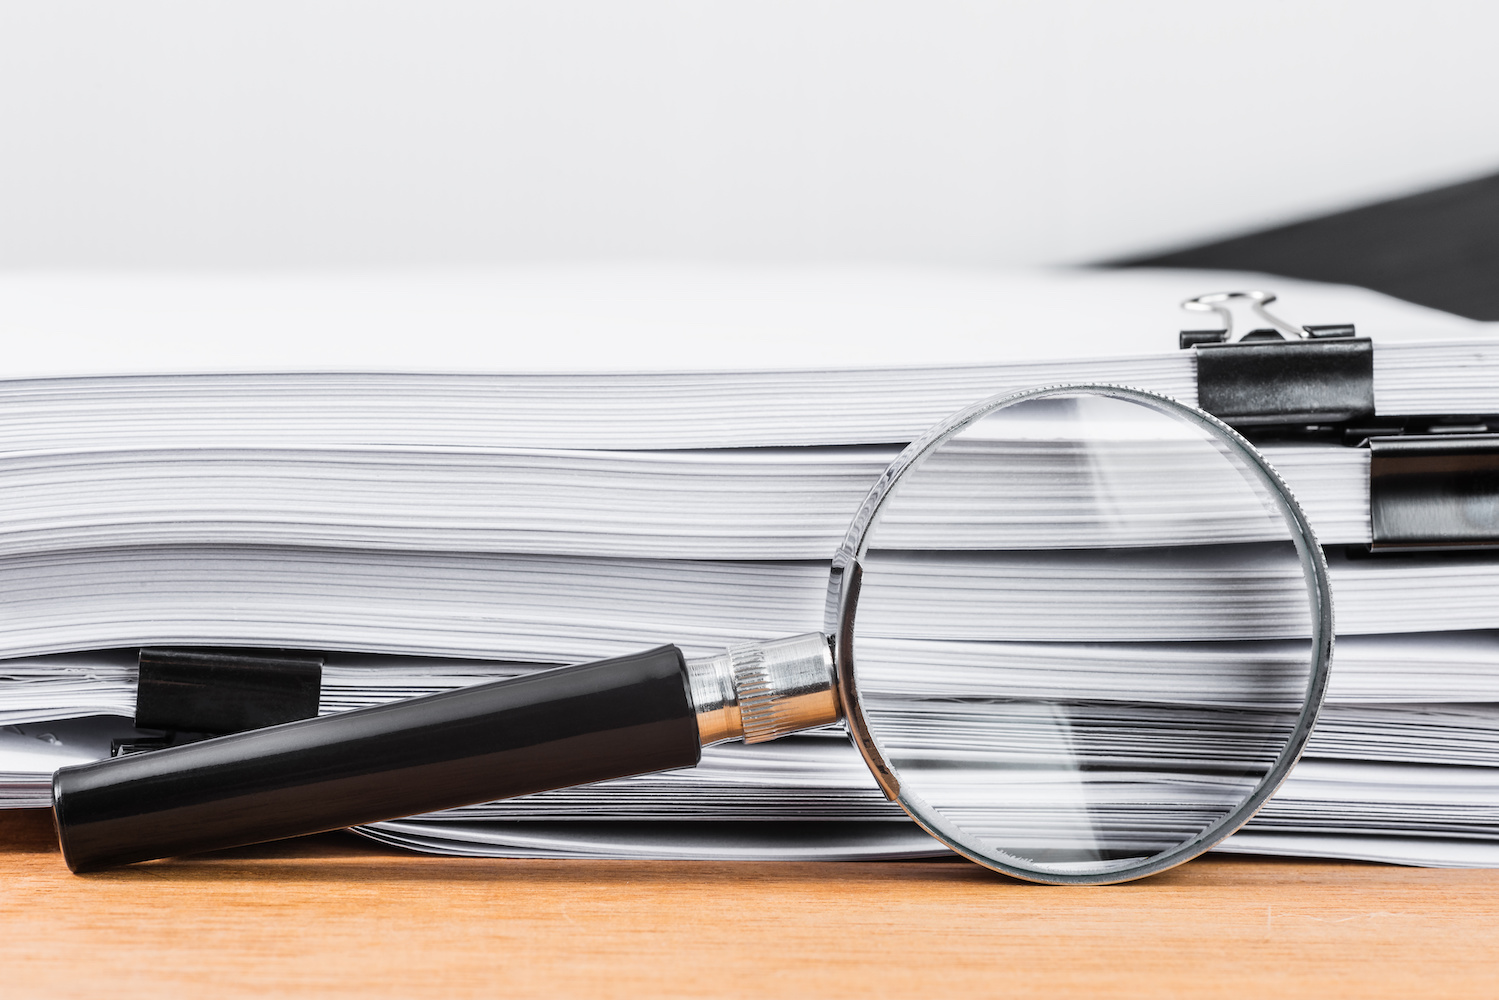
[1079, 633]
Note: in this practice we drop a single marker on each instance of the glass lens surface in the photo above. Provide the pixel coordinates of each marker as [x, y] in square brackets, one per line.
[1087, 628]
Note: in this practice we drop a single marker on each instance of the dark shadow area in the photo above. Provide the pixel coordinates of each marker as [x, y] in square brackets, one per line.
[28, 831]
[1439, 248]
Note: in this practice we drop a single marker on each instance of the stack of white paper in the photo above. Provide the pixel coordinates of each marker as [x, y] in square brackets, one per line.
[763, 503]
[462, 478]
[564, 609]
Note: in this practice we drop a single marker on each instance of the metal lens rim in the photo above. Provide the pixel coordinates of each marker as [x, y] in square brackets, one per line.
[843, 595]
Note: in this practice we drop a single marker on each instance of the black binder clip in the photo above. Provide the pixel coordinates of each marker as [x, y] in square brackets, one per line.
[1434, 491]
[192, 694]
[1258, 371]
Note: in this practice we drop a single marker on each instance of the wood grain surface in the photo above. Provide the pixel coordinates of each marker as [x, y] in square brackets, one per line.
[334, 916]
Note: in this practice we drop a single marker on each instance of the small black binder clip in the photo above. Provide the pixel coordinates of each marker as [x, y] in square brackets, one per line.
[1434, 491]
[194, 693]
[1256, 370]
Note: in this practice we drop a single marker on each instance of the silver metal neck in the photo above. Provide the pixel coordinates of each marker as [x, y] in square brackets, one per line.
[762, 690]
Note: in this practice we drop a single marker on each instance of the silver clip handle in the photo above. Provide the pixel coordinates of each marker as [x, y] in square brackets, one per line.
[1243, 313]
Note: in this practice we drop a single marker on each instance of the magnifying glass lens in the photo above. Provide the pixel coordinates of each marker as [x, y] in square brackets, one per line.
[1089, 634]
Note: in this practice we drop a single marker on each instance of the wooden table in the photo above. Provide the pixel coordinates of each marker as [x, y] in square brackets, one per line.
[335, 916]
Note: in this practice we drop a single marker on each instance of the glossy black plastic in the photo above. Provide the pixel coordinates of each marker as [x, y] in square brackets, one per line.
[569, 726]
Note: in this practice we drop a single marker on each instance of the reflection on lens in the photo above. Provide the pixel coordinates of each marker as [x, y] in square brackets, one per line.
[1085, 635]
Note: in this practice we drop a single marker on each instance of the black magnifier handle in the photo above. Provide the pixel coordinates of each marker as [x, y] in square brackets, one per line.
[556, 728]
[652, 711]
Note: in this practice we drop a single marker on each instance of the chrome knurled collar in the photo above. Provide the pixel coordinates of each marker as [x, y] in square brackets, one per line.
[784, 686]
[762, 690]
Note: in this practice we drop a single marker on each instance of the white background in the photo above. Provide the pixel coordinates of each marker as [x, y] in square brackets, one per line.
[289, 132]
